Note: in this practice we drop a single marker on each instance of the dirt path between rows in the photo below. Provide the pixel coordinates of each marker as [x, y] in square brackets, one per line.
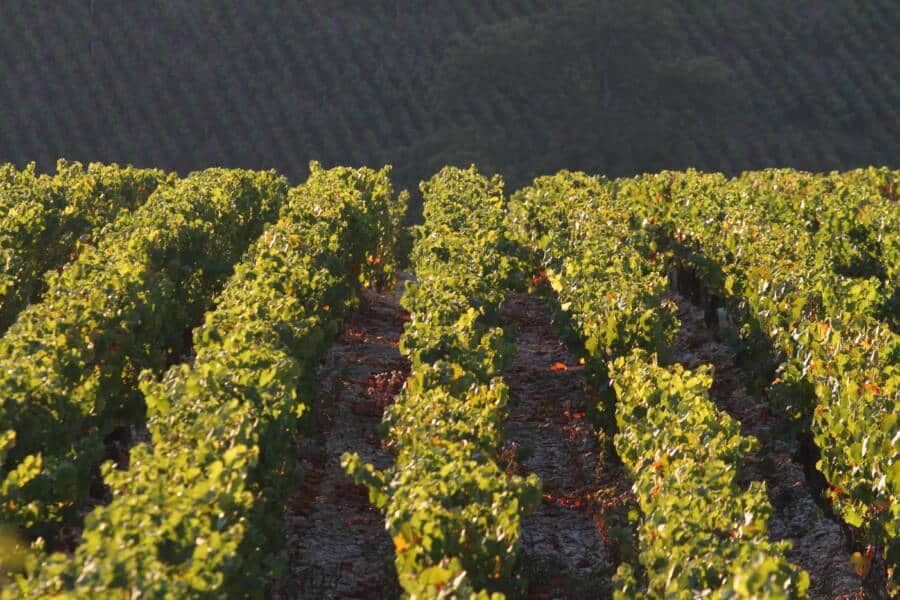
[566, 552]
[337, 543]
[338, 547]
[821, 545]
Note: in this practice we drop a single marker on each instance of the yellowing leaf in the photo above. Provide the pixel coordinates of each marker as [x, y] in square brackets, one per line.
[400, 543]
[862, 564]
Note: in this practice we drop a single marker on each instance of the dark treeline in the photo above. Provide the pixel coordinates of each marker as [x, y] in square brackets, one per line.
[522, 87]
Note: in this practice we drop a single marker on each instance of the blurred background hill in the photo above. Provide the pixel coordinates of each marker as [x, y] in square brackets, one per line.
[522, 87]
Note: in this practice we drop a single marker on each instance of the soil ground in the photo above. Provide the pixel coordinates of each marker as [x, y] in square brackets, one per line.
[821, 543]
[337, 543]
[338, 546]
[566, 549]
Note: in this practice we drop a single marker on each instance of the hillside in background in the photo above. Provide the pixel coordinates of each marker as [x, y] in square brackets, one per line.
[518, 86]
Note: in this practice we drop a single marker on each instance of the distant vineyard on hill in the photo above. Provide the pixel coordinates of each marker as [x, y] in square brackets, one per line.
[518, 86]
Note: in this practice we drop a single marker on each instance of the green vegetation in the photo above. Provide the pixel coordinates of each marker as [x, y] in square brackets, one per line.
[46, 219]
[806, 265]
[197, 512]
[453, 514]
[71, 364]
[699, 534]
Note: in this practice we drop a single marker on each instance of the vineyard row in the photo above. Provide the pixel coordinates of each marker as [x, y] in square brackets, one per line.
[99, 341]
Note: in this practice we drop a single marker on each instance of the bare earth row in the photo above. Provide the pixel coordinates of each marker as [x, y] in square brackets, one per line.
[338, 544]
